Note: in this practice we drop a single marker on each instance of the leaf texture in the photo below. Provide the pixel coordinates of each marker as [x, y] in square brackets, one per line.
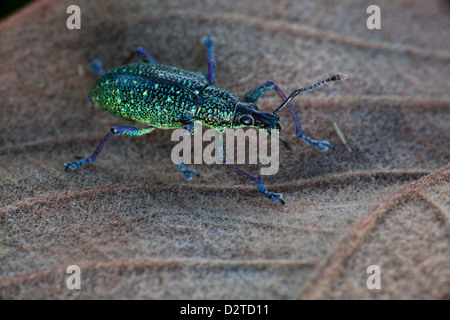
[137, 229]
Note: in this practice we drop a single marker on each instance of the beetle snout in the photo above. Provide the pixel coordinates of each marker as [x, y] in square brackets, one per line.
[268, 121]
[276, 122]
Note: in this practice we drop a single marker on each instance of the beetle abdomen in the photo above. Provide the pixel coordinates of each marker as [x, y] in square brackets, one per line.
[154, 101]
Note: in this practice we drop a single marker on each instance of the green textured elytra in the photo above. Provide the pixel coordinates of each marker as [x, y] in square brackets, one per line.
[163, 97]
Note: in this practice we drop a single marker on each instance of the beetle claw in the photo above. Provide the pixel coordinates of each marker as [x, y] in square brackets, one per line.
[187, 171]
[74, 165]
[208, 41]
[323, 145]
[70, 165]
[272, 196]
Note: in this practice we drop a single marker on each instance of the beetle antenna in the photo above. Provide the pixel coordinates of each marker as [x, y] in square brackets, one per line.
[336, 77]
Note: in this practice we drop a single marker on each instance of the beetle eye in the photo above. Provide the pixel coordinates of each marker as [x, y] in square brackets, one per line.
[246, 120]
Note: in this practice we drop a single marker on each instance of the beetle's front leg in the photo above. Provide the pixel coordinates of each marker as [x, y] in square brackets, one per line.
[128, 130]
[255, 94]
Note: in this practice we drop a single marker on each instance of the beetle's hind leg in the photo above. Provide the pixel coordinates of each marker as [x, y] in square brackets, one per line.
[96, 65]
[140, 52]
[127, 130]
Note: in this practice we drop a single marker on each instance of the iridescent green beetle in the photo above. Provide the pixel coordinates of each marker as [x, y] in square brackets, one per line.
[165, 97]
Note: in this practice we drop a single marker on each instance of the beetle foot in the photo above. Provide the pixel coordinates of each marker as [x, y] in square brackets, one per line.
[323, 145]
[74, 165]
[70, 165]
[272, 196]
[209, 41]
[187, 171]
[96, 66]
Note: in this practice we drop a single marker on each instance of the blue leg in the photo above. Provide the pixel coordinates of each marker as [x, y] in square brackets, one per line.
[272, 196]
[140, 52]
[127, 130]
[96, 65]
[209, 42]
[255, 94]
[185, 170]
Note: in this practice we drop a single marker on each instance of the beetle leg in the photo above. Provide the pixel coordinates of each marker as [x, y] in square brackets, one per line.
[96, 66]
[209, 42]
[272, 196]
[255, 94]
[118, 130]
[283, 141]
[188, 121]
[186, 171]
[140, 52]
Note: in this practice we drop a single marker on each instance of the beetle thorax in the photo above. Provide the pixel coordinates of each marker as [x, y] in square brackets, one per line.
[216, 108]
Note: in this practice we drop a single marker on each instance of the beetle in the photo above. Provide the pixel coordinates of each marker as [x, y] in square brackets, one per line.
[166, 97]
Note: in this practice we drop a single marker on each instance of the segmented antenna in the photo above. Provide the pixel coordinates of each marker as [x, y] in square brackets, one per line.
[336, 77]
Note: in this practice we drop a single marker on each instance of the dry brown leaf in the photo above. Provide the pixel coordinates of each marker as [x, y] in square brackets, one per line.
[138, 230]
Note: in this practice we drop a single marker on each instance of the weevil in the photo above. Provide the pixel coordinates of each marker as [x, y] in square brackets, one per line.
[166, 97]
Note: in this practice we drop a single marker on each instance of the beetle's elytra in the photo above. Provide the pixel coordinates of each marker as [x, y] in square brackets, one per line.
[165, 97]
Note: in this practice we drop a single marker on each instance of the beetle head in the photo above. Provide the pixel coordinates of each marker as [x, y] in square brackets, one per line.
[248, 115]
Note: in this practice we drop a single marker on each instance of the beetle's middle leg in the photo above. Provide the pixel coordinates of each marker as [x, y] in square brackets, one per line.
[210, 42]
[255, 94]
[185, 170]
[272, 196]
[118, 130]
